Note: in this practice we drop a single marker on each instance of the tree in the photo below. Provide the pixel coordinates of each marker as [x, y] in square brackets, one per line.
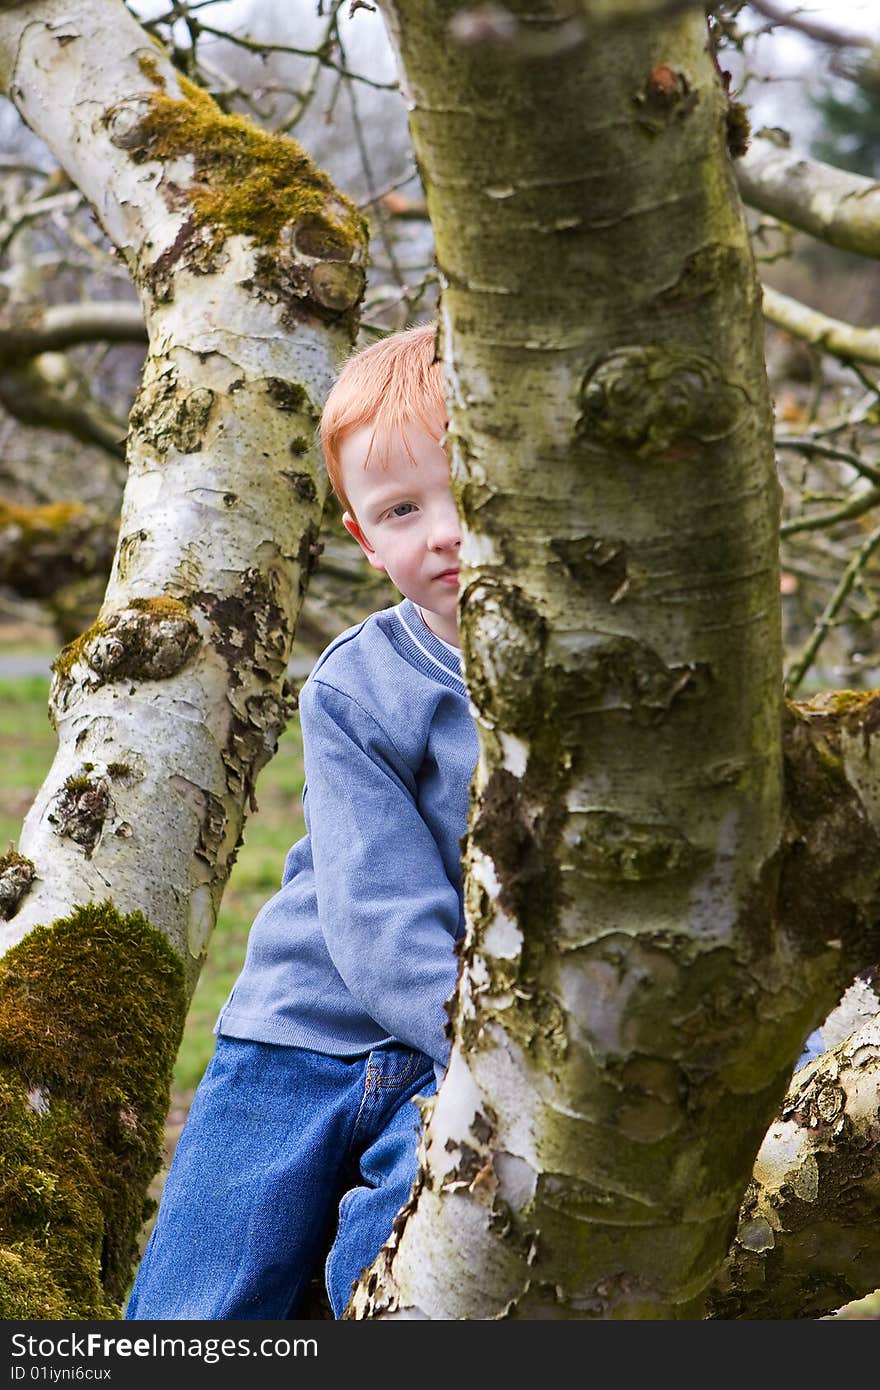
[669, 876]
[124, 855]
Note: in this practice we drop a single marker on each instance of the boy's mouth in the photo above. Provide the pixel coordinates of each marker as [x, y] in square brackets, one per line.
[449, 576]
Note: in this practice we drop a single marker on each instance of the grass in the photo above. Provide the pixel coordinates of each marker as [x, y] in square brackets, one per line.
[27, 747]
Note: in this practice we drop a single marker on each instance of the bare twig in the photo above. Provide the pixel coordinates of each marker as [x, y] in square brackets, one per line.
[807, 445]
[822, 521]
[820, 29]
[261, 46]
[826, 621]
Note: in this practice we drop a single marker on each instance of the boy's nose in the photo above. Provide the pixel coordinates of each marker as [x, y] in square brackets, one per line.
[445, 532]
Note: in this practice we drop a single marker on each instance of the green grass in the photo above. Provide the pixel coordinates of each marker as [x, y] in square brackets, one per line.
[27, 747]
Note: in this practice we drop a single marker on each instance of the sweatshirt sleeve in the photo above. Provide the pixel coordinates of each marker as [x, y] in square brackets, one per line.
[388, 912]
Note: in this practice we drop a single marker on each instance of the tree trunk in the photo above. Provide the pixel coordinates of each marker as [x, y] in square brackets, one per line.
[631, 1002]
[249, 267]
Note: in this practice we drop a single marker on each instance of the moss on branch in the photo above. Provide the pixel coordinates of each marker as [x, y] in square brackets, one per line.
[91, 1013]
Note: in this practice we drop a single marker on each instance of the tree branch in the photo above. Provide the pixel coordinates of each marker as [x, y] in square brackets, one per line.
[832, 831]
[62, 326]
[42, 549]
[36, 396]
[829, 615]
[808, 1238]
[818, 29]
[829, 335]
[840, 208]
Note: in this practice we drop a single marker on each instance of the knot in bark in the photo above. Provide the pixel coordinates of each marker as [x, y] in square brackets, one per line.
[168, 416]
[336, 286]
[667, 97]
[143, 640]
[125, 122]
[829, 1103]
[509, 636]
[322, 238]
[150, 639]
[106, 654]
[318, 265]
[16, 876]
[660, 402]
[613, 848]
[81, 808]
[622, 674]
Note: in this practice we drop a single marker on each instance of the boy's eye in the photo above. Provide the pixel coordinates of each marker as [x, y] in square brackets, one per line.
[402, 509]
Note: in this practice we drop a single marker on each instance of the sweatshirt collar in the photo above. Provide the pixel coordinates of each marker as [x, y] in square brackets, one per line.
[426, 649]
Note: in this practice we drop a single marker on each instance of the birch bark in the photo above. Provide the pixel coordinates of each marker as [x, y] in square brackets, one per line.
[631, 1001]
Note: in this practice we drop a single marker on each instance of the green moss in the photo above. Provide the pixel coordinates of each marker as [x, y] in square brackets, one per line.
[73, 652]
[13, 860]
[75, 784]
[91, 1014]
[150, 68]
[287, 395]
[845, 701]
[37, 521]
[27, 1282]
[739, 129]
[118, 769]
[245, 180]
[161, 606]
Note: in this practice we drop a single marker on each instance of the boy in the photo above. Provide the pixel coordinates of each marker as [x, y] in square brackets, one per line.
[302, 1124]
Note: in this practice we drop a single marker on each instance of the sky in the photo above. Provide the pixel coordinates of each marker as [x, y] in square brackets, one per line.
[796, 63]
[799, 65]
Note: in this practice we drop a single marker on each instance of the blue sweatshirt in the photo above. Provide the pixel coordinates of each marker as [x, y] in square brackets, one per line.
[356, 948]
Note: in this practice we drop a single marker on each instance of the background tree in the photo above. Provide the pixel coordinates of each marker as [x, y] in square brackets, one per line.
[656, 918]
[851, 134]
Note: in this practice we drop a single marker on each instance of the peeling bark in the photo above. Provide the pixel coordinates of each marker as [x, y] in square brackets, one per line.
[808, 1239]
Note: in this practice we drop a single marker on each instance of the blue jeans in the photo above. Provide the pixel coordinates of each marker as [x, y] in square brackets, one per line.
[281, 1144]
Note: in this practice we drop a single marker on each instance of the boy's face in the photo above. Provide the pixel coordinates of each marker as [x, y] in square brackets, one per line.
[404, 518]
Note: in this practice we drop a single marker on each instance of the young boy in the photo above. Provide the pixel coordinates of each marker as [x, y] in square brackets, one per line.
[302, 1125]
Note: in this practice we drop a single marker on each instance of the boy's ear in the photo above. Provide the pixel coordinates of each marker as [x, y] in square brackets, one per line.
[353, 528]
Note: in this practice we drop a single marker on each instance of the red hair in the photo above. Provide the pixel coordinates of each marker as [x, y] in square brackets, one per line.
[392, 383]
